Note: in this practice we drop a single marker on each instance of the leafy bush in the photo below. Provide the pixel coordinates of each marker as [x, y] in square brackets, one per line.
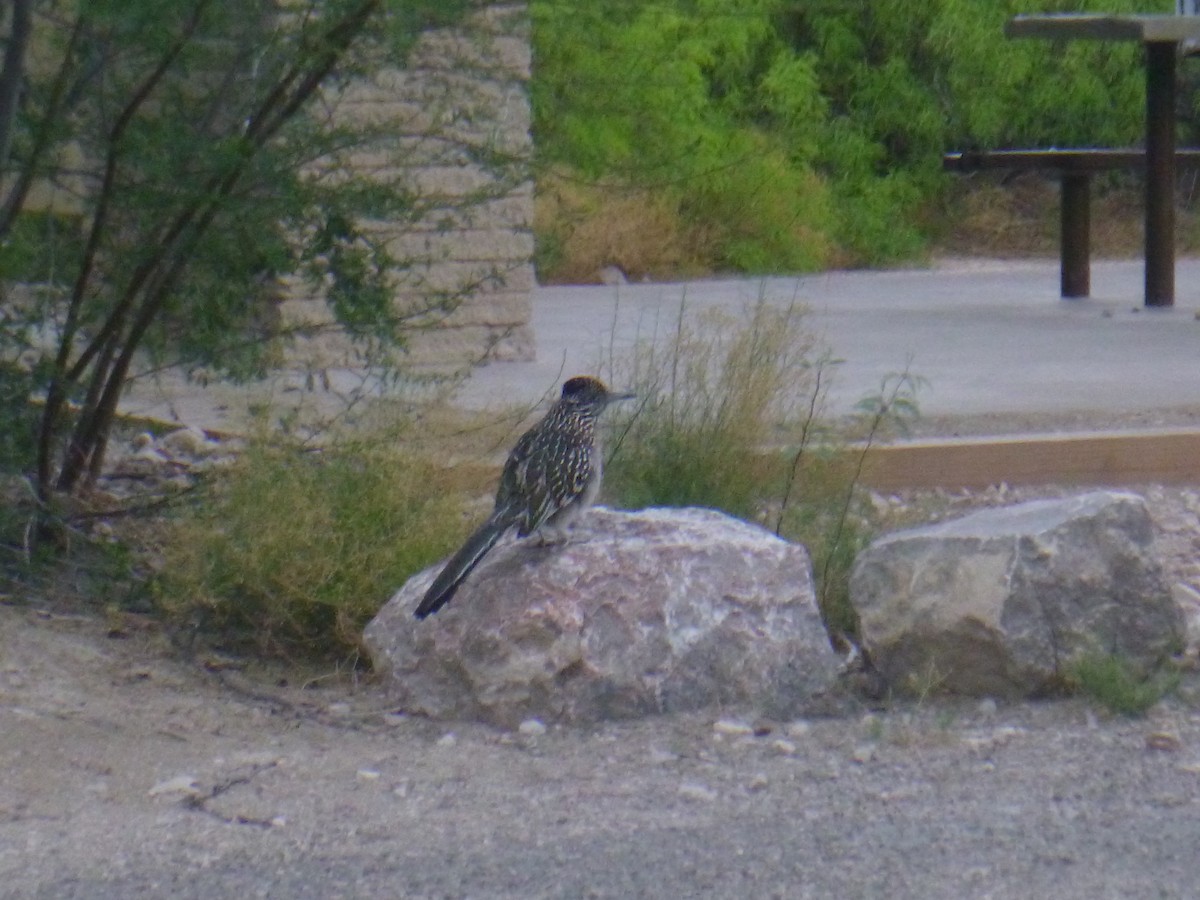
[294, 551]
[792, 135]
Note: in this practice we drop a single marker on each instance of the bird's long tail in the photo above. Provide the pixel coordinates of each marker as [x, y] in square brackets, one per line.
[461, 564]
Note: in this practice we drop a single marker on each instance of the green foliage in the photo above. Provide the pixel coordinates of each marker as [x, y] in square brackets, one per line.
[1118, 686]
[293, 551]
[799, 133]
[833, 519]
[203, 159]
[650, 95]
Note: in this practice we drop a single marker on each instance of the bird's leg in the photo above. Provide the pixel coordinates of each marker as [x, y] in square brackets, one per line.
[550, 535]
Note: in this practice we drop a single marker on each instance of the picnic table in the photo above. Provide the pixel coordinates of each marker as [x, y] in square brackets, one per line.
[1162, 36]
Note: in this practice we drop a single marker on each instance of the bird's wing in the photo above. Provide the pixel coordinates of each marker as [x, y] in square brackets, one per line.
[550, 489]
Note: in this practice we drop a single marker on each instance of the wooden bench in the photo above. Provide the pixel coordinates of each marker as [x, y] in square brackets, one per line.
[1074, 169]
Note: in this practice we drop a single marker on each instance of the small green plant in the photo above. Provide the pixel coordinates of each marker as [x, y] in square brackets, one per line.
[293, 551]
[832, 519]
[1117, 685]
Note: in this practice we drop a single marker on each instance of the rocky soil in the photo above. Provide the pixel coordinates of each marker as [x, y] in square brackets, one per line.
[130, 772]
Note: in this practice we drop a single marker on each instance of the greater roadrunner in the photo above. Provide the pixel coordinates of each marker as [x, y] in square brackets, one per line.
[551, 475]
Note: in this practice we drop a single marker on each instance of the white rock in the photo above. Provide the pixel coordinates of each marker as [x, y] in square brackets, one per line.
[863, 753]
[732, 728]
[149, 455]
[532, 728]
[694, 790]
[612, 275]
[188, 441]
[1000, 602]
[179, 784]
[447, 740]
[638, 613]
[798, 728]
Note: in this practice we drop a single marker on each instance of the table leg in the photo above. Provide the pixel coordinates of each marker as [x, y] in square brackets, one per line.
[1075, 234]
[1160, 174]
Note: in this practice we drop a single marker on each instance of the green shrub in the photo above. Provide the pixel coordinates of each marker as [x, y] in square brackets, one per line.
[294, 551]
[1114, 683]
[792, 135]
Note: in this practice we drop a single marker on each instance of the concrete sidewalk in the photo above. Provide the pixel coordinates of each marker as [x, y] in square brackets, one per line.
[988, 337]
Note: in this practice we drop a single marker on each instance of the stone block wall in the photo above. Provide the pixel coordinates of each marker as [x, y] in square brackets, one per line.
[458, 124]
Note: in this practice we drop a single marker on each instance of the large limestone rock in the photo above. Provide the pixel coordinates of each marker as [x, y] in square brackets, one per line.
[644, 612]
[1002, 601]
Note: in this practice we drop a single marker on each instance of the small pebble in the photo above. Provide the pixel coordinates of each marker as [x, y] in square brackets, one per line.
[532, 728]
[1164, 741]
[987, 706]
[338, 709]
[691, 790]
[180, 784]
[190, 441]
[863, 753]
[367, 775]
[732, 728]
[787, 748]
[799, 728]
[447, 740]
[758, 782]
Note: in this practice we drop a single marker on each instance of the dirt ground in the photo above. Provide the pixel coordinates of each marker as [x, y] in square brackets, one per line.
[132, 771]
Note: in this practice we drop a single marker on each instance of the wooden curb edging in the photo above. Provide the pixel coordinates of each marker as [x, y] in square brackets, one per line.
[1102, 458]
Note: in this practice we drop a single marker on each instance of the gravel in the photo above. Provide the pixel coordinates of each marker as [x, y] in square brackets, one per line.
[132, 773]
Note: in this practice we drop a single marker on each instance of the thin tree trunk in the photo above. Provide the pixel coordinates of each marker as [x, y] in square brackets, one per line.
[12, 74]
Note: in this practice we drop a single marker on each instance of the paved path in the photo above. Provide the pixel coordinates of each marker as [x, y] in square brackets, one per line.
[986, 336]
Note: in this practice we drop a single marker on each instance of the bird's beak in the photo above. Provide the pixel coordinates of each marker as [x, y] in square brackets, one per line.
[616, 398]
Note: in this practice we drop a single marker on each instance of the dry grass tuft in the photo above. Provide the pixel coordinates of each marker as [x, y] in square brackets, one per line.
[584, 227]
[1017, 216]
[292, 551]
